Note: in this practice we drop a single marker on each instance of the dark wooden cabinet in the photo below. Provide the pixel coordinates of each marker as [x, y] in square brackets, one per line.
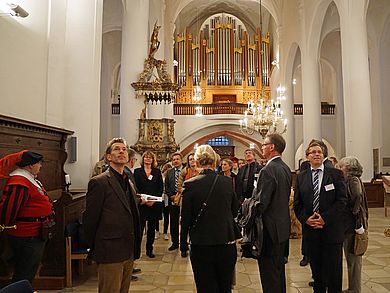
[17, 135]
[375, 194]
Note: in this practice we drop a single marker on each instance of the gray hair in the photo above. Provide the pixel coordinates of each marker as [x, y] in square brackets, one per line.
[205, 155]
[351, 165]
[115, 140]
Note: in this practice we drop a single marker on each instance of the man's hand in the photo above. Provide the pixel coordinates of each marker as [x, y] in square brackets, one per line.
[316, 221]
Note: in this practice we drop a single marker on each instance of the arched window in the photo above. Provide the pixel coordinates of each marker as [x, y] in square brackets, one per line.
[220, 140]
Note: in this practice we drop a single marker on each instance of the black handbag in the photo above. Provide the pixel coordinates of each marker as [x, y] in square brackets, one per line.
[204, 204]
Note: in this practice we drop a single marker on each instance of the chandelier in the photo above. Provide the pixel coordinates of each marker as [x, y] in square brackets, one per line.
[264, 115]
[197, 97]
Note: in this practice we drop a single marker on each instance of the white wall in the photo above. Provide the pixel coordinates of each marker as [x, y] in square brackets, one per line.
[23, 62]
[50, 72]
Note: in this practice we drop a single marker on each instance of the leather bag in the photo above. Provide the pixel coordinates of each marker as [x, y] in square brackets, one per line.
[361, 243]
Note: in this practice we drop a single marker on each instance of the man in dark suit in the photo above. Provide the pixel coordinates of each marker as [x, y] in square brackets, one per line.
[171, 190]
[306, 165]
[273, 192]
[319, 203]
[247, 175]
[111, 222]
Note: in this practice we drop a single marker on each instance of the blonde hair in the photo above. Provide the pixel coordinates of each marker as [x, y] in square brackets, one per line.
[149, 153]
[205, 155]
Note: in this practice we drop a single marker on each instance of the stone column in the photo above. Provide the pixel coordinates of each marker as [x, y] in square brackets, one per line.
[82, 48]
[356, 83]
[311, 96]
[310, 82]
[135, 44]
[287, 105]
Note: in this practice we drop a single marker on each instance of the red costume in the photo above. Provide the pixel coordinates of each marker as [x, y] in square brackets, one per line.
[24, 199]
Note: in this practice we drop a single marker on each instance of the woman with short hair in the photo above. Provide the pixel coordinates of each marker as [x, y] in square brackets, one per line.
[212, 231]
[148, 180]
[356, 219]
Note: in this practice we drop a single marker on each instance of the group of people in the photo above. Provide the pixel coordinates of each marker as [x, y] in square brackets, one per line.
[199, 204]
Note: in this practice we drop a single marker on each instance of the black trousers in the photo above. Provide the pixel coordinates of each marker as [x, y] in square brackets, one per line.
[166, 219]
[28, 252]
[150, 232]
[304, 246]
[213, 267]
[174, 214]
[183, 239]
[272, 266]
[326, 266]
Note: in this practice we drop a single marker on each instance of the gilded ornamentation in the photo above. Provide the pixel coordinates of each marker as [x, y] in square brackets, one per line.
[155, 131]
[154, 85]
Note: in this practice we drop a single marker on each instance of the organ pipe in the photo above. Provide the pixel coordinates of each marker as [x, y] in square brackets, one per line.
[222, 53]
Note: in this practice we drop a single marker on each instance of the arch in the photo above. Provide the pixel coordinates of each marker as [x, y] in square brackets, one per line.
[315, 27]
[301, 150]
[243, 139]
[270, 5]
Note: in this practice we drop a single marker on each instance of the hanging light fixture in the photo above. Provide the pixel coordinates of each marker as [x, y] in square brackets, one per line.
[264, 115]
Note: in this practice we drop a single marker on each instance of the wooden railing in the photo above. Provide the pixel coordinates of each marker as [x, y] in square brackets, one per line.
[235, 108]
[210, 109]
[115, 109]
[326, 109]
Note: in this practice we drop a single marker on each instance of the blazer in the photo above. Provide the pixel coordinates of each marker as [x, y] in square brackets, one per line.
[273, 193]
[216, 224]
[154, 187]
[111, 222]
[254, 168]
[333, 199]
[170, 184]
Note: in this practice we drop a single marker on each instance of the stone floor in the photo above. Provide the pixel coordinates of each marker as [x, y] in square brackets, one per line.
[169, 272]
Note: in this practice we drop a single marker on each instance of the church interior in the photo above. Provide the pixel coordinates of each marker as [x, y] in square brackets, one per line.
[169, 75]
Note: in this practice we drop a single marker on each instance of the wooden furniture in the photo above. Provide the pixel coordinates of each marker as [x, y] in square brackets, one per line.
[78, 251]
[80, 256]
[375, 194]
[17, 135]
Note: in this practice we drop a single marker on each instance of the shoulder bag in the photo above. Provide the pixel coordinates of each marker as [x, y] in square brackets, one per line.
[361, 243]
[204, 204]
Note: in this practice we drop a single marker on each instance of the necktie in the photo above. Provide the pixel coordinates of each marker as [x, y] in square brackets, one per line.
[177, 174]
[316, 189]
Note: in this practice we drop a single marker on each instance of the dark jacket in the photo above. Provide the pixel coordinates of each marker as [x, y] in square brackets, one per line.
[215, 226]
[254, 169]
[154, 187]
[252, 227]
[273, 193]
[111, 221]
[170, 184]
[333, 200]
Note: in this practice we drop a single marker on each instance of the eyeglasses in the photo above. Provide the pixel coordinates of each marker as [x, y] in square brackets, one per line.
[315, 152]
[264, 144]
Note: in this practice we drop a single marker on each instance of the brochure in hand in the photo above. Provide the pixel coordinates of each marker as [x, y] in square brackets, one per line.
[151, 197]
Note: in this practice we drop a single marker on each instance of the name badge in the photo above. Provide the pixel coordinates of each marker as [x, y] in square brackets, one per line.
[150, 177]
[329, 187]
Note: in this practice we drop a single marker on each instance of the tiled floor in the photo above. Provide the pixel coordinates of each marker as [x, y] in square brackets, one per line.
[169, 272]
